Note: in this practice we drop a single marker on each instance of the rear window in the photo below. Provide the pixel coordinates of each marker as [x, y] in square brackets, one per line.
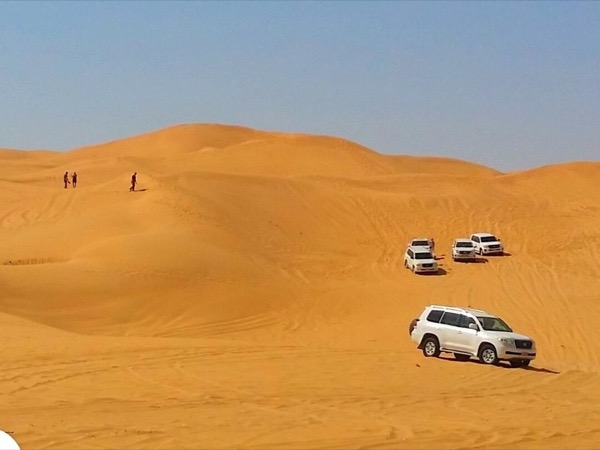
[435, 315]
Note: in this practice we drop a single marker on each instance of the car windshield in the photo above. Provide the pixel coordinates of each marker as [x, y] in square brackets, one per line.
[423, 255]
[493, 324]
[420, 243]
[464, 244]
[489, 239]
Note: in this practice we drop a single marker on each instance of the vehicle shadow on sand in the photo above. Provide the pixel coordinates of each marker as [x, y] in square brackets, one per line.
[501, 365]
[478, 260]
[440, 273]
[541, 369]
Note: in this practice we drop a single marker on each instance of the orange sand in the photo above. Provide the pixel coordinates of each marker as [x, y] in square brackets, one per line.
[253, 296]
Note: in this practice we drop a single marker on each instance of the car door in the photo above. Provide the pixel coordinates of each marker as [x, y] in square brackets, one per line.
[448, 330]
[476, 242]
[466, 337]
[411, 259]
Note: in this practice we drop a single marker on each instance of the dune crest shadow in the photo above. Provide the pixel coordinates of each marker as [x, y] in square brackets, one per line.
[32, 261]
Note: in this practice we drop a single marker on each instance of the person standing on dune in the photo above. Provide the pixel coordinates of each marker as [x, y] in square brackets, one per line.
[133, 182]
[66, 179]
[74, 179]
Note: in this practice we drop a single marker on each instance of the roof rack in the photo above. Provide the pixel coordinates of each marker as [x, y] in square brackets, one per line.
[459, 308]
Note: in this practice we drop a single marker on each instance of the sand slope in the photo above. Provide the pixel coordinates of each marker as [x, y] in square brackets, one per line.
[252, 295]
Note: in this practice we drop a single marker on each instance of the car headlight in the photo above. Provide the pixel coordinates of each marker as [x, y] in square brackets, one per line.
[507, 341]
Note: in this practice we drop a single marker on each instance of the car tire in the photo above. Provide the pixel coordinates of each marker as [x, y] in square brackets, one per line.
[461, 357]
[412, 326]
[516, 363]
[431, 347]
[405, 264]
[488, 354]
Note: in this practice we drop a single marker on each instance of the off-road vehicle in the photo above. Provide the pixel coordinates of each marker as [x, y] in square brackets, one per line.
[463, 250]
[470, 333]
[420, 260]
[487, 244]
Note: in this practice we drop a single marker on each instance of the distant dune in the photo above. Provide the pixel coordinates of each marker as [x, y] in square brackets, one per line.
[252, 294]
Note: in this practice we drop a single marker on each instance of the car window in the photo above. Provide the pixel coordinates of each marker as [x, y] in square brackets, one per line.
[494, 324]
[475, 238]
[423, 255]
[410, 253]
[421, 243]
[435, 315]
[489, 239]
[450, 318]
[464, 244]
[465, 321]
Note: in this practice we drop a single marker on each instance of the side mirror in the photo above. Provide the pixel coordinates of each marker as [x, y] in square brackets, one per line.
[473, 326]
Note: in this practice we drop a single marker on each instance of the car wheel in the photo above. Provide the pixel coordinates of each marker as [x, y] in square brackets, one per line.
[431, 347]
[488, 354]
[461, 357]
[405, 264]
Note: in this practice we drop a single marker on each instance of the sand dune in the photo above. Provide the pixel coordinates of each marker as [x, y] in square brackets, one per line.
[252, 295]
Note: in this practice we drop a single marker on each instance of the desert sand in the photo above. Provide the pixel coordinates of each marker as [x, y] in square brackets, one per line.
[251, 295]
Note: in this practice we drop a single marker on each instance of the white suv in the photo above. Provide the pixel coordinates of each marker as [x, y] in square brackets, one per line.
[470, 332]
[486, 244]
[420, 260]
[463, 250]
[421, 242]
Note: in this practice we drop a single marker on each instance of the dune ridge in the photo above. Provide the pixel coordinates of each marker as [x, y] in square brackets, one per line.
[251, 294]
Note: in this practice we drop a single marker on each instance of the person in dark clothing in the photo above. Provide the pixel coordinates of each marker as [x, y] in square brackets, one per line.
[74, 179]
[66, 179]
[133, 182]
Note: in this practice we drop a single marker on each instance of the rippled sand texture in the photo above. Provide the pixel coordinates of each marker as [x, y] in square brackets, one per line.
[252, 295]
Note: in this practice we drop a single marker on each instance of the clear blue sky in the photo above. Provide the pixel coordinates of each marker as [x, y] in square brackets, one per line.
[512, 85]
